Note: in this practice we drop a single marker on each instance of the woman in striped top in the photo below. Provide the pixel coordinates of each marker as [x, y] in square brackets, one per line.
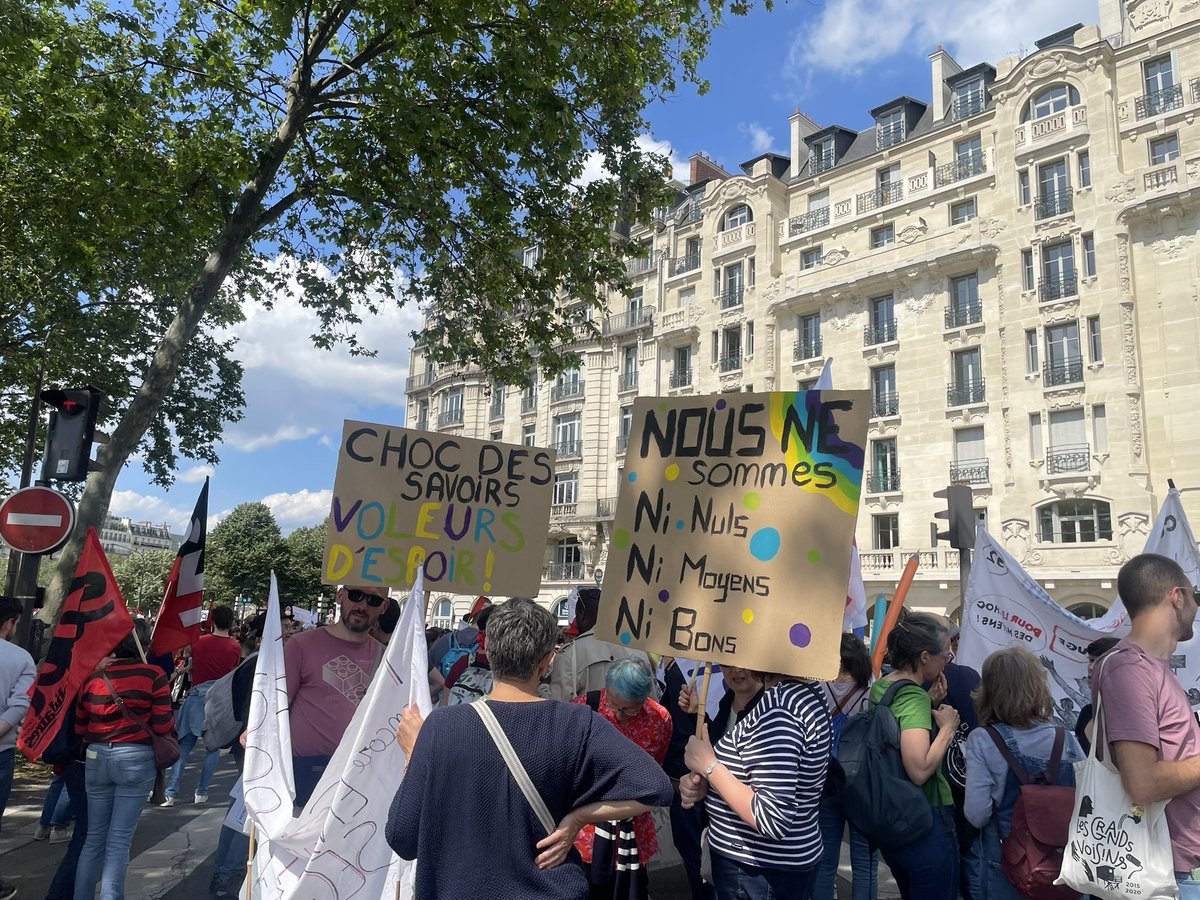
[763, 783]
[119, 761]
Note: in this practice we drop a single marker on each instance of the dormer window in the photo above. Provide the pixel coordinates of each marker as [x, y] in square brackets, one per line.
[969, 99]
[890, 128]
[737, 217]
[822, 156]
[531, 257]
[1052, 100]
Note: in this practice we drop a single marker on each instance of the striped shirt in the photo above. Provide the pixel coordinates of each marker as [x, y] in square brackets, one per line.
[144, 689]
[781, 750]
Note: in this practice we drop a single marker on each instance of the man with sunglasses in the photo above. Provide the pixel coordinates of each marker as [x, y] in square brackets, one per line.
[328, 671]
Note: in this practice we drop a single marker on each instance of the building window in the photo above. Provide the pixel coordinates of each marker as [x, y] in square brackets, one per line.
[1054, 189]
[885, 476]
[497, 437]
[1027, 270]
[1085, 169]
[568, 560]
[1068, 447]
[443, 614]
[731, 349]
[822, 156]
[566, 487]
[882, 236]
[1089, 254]
[1162, 94]
[808, 343]
[567, 435]
[1095, 347]
[1052, 100]
[889, 184]
[682, 374]
[529, 435]
[1031, 351]
[887, 532]
[1058, 271]
[969, 99]
[624, 427]
[963, 211]
[1075, 522]
[749, 338]
[531, 257]
[884, 399]
[807, 384]
[882, 327]
[968, 384]
[562, 611]
[965, 308]
[1164, 149]
[1035, 435]
[737, 217]
[890, 128]
[1064, 365]
[810, 258]
[1023, 195]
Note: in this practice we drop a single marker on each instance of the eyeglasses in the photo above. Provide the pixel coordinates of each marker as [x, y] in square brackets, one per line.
[631, 710]
[356, 596]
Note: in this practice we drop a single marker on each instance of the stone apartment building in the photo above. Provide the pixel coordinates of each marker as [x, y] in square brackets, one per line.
[1009, 266]
[121, 536]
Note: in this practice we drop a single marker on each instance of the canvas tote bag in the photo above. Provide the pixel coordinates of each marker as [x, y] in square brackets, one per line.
[1115, 848]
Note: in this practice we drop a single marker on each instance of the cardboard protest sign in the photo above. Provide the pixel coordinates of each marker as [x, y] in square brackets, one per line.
[473, 514]
[734, 527]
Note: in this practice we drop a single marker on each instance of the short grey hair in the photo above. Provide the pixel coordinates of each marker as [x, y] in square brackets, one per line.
[519, 635]
[630, 678]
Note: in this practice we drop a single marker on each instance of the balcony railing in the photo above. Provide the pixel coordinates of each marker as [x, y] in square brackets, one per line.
[1052, 205]
[880, 333]
[1196, 90]
[681, 378]
[807, 348]
[811, 220]
[566, 391]
[423, 424]
[564, 571]
[563, 511]
[639, 264]
[822, 162]
[1068, 458]
[419, 382]
[884, 405]
[1057, 287]
[528, 402]
[889, 137]
[1160, 178]
[627, 381]
[1159, 102]
[622, 443]
[688, 213]
[685, 263]
[732, 296]
[631, 320]
[883, 481]
[966, 105]
[964, 314]
[1069, 372]
[967, 167]
[965, 393]
[881, 196]
[730, 362]
[450, 417]
[568, 449]
[496, 412]
[969, 471]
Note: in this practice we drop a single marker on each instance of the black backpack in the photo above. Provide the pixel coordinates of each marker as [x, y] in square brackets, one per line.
[877, 796]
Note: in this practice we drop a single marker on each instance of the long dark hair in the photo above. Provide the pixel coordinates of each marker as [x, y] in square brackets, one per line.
[856, 660]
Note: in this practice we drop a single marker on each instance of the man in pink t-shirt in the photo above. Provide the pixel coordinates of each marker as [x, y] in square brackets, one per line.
[328, 671]
[1147, 719]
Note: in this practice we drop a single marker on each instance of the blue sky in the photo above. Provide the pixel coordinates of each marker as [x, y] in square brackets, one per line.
[834, 60]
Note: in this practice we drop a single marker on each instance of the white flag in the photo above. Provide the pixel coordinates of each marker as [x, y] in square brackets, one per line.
[267, 774]
[336, 847]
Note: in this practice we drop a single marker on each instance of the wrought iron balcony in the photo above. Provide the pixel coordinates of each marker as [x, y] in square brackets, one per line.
[1068, 458]
[881, 196]
[1069, 372]
[566, 390]
[1057, 287]
[889, 137]
[959, 315]
[807, 348]
[450, 417]
[730, 362]
[423, 424]
[1159, 102]
[622, 443]
[681, 378]
[627, 381]
[884, 405]
[964, 106]
[732, 296]
[568, 449]
[419, 382]
[631, 320]
[528, 402]
[688, 213]
[496, 411]
[1196, 90]
[967, 167]
[969, 471]
[965, 393]
[685, 263]
[606, 508]
[821, 162]
[879, 333]
[1052, 205]
[883, 481]
[640, 264]
[813, 219]
[564, 571]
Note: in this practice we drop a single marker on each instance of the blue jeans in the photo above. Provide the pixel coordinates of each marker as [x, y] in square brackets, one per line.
[736, 880]
[1189, 888]
[56, 808]
[212, 759]
[63, 885]
[687, 825]
[992, 883]
[233, 848]
[118, 779]
[7, 761]
[928, 869]
[864, 860]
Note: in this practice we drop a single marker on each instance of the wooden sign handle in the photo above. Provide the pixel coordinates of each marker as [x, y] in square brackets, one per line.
[703, 699]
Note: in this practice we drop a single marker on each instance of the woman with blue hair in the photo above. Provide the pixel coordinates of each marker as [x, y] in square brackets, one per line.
[625, 702]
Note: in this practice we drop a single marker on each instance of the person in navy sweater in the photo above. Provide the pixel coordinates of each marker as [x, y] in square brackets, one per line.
[459, 811]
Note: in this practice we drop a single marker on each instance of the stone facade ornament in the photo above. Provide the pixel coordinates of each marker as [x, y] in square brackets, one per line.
[911, 234]
[1148, 12]
[1135, 424]
[1122, 191]
[835, 256]
[990, 228]
[1128, 345]
[1018, 541]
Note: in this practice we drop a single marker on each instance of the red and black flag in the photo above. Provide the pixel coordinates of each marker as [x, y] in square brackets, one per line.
[178, 622]
[92, 622]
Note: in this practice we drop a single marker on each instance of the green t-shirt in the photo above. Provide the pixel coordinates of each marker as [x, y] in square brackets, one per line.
[913, 709]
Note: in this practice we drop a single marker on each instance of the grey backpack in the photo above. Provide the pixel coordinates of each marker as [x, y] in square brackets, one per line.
[221, 723]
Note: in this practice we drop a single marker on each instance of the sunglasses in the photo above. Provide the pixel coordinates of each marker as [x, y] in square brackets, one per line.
[372, 600]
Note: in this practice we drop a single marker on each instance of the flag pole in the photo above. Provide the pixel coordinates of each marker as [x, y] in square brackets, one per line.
[703, 699]
[137, 640]
[250, 861]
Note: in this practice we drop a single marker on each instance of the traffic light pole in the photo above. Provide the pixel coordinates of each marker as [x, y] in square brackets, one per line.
[25, 586]
[964, 574]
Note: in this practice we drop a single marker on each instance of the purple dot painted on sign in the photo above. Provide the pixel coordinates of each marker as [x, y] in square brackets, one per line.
[720, 404]
[800, 635]
[664, 596]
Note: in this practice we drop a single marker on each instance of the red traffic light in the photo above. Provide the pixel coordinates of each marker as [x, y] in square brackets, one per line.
[71, 407]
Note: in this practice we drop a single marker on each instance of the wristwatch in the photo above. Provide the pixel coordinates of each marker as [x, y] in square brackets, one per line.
[708, 771]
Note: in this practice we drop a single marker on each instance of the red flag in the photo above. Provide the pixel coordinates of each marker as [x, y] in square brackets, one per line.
[92, 622]
[178, 622]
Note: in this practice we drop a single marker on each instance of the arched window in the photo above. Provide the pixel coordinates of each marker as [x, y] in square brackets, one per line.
[736, 217]
[1053, 99]
[561, 611]
[1075, 522]
[1087, 609]
[443, 614]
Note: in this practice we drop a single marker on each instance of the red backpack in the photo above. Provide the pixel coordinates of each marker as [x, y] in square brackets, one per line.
[1032, 854]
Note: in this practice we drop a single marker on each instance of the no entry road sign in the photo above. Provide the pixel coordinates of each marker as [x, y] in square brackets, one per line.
[37, 520]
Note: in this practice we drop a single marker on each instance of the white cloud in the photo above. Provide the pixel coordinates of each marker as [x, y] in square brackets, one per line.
[593, 168]
[299, 510]
[195, 475]
[147, 508]
[850, 35]
[250, 444]
[761, 140]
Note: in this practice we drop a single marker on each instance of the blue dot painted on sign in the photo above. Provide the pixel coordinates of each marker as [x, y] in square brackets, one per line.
[680, 524]
[764, 544]
[633, 476]
[626, 637]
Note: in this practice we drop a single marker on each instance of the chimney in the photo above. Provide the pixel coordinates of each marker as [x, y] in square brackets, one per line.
[944, 66]
[802, 127]
[704, 168]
